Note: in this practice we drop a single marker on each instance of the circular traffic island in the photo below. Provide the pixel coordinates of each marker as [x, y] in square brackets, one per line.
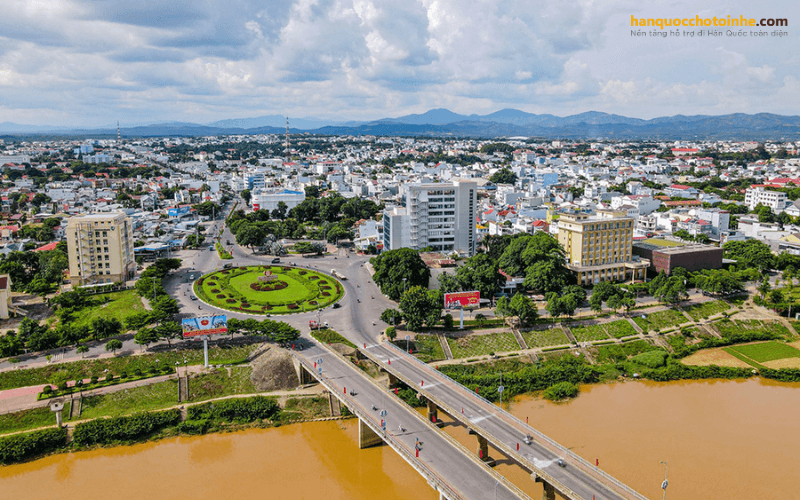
[268, 289]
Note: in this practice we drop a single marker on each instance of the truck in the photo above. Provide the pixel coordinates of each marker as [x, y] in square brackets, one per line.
[337, 274]
[316, 325]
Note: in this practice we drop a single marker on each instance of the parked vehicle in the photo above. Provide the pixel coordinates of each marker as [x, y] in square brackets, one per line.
[276, 260]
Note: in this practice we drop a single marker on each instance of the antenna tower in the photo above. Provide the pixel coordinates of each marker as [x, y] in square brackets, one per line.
[119, 139]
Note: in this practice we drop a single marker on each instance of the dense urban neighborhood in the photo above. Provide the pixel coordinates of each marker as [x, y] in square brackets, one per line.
[504, 266]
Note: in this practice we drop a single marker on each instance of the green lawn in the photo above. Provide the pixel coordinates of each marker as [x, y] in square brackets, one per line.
[706, 309]
[86, 368]
[588, 333]
[767, 351]
[619, 329]
[299, 290]
[727, 327]
[30, 419]
[545, 338]
[109, 305]
[479, 345]
[618, 353]
[328, 336]
[661, 319]
[216, 384]
[426, 347]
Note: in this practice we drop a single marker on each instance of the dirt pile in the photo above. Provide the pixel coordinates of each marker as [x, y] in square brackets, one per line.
[273, 370]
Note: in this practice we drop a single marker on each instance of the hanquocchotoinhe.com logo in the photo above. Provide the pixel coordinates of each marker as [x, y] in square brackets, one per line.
[700, 22]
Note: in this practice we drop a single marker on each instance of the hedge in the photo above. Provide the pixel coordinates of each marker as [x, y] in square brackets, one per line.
[108, 430]
[236, 409]
[20, 447]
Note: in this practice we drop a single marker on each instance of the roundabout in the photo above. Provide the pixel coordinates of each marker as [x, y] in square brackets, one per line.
[268, 289]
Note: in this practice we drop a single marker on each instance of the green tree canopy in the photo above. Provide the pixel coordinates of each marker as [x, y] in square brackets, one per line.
[421, 306]
[396, 269]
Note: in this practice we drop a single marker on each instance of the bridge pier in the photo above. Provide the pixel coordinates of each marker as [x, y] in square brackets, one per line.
[391, 381]
[549, 491]
[433, 414]
[303, 375]
[483, 451]
[366, 436]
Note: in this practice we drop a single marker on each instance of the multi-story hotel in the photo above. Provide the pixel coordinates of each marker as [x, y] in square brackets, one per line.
[599, 247]
[775, 200]
[100, 248]
[437, 216]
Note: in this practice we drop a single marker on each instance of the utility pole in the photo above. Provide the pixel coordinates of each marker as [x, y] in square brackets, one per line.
[665, 483]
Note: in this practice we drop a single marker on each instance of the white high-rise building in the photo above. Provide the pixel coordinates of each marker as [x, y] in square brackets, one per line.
[438, 216]
[775, 200]
[100, 249]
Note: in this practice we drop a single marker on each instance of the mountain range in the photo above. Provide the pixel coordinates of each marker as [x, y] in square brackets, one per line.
[444, 123]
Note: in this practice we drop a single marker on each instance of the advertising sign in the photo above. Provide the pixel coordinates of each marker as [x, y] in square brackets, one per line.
[205, 325]
[178, 211]
[462, 299]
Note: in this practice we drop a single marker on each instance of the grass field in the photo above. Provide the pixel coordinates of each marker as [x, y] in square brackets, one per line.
[588, 333]
[767, 351]
[619, 329]
[618, 353]
[29, 419]
[706, 309]
[727, 327]
[545, 338]
[297, 290]
[85, 369]
[118, 305]
[328, 336]
[661, 319]
[165, 394]
[426, 347]
[480, 345]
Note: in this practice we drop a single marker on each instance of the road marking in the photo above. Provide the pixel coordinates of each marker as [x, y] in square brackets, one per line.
[543, 463]
[478, 419]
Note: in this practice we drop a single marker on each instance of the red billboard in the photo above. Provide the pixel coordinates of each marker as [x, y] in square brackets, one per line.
[462, 299]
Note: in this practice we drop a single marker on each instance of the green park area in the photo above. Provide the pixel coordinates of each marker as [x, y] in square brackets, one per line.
[763, 352]
[657, 320]
[268, 289]
[545, 338]
[706, 309]
[480, 345]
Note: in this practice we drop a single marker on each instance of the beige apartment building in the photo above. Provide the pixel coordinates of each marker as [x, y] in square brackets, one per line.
[599, 247]
[100, 248]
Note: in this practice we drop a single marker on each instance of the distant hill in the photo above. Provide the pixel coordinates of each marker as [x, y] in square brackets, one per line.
[502, 123]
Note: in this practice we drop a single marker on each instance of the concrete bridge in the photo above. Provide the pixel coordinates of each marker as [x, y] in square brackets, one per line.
[534, 451]
[449, 468]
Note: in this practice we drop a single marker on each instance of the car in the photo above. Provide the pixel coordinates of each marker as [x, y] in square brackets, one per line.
[194, 298]
[562, 463]
[336, 305]
[276, 260]
[227, 266]
[211, 249]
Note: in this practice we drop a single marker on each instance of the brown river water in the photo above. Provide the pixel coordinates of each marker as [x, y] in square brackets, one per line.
[722, 439]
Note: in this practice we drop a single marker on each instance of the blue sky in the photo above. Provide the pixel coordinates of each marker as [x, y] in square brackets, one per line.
[92, 62]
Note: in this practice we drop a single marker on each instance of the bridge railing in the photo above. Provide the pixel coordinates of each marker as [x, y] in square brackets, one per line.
[567, 453]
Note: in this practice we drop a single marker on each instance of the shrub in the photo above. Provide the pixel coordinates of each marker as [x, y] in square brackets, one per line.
[193, 426]
[93, 379]
[109, 430]
[123, 375]
[137, 372]
[561, 390]
[238, 410]
[651, 359]
[47, 389]
[23, 446]
[391, 332]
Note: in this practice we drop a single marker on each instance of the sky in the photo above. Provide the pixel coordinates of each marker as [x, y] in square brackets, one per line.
[93, 62]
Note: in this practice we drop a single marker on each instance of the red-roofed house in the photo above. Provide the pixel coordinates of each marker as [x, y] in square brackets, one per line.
[681, 191]
[44, 248]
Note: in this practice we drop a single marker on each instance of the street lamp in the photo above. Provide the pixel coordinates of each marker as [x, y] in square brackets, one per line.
[665, 483]
[404, 285]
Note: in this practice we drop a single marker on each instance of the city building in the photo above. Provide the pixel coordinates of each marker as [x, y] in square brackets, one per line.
[437, 216]
[598, 247]
[775, 200]
[268, 200]
[666, 255]
[100, 249]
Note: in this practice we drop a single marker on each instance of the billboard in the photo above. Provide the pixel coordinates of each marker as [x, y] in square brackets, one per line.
[204, 325]
[462, 299]
[179, 211]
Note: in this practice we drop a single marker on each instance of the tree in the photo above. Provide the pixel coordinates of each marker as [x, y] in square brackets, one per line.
[399, 269]
[246, 196]
[776, 296]
[391, 316]
[419, 306]
[480, 318]
[391, 333]
[448, 283]
[82, 349]
[103, 327]
[165, 306]
[337, 233]
[750, 253]
[503, 176]
[546, 276]
[145, 337]
[502, 307]
[113, 345]
[10, 345]
[672, 291]
[540, 258]
[250, 235]
[168, 330]
[614, 302]
[284, 333]
[447, 321]
[480, 272]
[523, 308]
[764, 287]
